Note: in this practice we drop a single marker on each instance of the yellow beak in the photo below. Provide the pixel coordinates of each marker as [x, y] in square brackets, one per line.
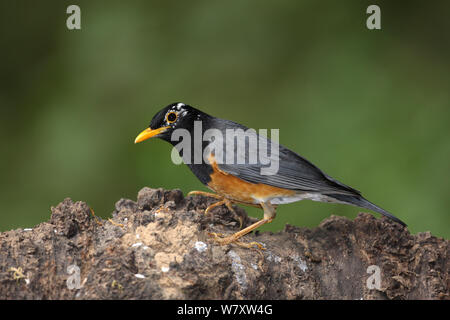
[148, 133]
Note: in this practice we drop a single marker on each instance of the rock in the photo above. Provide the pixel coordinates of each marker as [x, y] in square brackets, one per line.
[159, 248]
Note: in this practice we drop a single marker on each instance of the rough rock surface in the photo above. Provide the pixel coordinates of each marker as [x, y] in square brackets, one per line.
[159, 248]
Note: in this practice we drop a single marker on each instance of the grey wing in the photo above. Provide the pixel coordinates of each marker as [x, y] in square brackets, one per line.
[292, 171]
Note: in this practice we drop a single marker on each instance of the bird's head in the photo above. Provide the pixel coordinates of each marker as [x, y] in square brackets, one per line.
[175, 116]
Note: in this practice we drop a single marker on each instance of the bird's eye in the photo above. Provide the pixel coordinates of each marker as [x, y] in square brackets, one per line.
[171, 117]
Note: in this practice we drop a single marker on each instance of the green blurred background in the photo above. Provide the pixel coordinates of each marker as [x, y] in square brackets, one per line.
[371, 108]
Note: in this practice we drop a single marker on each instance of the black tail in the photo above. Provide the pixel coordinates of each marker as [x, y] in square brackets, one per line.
[359, 201]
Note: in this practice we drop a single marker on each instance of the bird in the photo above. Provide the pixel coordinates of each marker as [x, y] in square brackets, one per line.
[244, 182]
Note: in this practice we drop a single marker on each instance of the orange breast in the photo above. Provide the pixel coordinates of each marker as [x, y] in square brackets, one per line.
[236, 189]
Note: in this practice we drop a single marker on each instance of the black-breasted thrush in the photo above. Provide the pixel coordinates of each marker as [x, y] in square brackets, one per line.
[243, 182]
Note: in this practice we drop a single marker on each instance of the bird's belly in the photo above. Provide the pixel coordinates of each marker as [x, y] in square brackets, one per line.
[242, 191]
[303, 196]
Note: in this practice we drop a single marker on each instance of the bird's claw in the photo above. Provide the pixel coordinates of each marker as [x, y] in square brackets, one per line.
[222, 240]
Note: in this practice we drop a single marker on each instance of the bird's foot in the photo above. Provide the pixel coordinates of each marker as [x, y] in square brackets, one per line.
[222, 201]
[120, 225]
[220, 239]
[97, 220]
[205, 194]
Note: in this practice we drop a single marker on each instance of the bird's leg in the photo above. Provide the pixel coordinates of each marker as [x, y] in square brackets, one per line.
[269, 215]
[229, 205]
[212, 206]
[222, 201]
[206, 194]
